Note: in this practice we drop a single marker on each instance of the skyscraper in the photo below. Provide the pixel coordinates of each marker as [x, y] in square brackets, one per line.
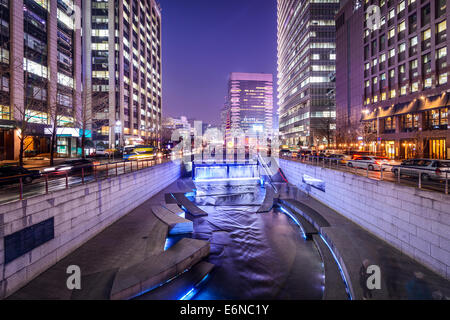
[40, 65]
[406, 87]
[349, 72]
[306, 71]
[123, 57]
[249, 106]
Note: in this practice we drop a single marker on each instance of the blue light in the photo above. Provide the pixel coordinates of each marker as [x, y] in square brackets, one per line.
[189, 294]
[295, 220]
[340, 268]
[193, 291]
[226, 179]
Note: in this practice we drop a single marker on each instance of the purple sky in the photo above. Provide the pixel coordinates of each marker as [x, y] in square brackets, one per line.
[203, 41]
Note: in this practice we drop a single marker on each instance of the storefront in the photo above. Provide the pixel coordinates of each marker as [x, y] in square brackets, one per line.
[389, 149]
[67, 144]
[437, 148]
[408, 149]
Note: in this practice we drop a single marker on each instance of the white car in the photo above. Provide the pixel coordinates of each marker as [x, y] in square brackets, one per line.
[371, 162]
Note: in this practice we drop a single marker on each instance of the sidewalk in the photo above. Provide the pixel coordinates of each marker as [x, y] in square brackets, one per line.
[400, 274]
[130, 240]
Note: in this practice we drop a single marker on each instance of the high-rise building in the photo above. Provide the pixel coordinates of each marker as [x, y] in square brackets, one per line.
[40, 66]
[249, 106]
[306, 71]
[406, 69]
[349, 72]
[123, 57]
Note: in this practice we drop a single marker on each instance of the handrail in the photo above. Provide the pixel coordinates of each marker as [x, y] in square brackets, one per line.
[266, 169]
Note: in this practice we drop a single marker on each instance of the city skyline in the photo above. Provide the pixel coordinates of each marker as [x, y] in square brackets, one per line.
[244, 47]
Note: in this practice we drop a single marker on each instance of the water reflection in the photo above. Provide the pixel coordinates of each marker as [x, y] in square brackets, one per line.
[257, 256]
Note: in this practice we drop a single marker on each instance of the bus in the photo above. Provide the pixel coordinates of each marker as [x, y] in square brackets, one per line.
[139, 152]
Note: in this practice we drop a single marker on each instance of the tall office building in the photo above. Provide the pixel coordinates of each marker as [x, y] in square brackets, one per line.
[249, 106]
[349, 71]
[40, 66]
[306, 71]
[406, 87]
[123, 57]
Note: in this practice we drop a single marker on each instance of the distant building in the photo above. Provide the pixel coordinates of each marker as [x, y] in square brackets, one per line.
[249, 106]
[306, 71]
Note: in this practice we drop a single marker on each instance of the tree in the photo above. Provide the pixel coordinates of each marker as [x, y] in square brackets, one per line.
[92, 102]
[325, 130]
[33, 109]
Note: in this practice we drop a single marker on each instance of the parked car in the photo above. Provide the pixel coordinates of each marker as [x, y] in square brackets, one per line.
[428, 169]
[12, 174]
[370, 162]
[71, 167]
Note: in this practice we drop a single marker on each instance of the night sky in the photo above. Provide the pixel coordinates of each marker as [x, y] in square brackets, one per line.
[203, 41]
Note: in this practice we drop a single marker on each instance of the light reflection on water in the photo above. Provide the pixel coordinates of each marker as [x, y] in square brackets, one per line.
[257, 255]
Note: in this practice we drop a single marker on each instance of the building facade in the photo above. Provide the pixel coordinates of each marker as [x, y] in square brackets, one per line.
[406, 68]
[349, 72]
[122, 61]
[40, 66]
[306, 71]
[249, 105]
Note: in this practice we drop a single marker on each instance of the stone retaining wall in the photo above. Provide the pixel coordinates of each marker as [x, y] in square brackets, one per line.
[415, 221]
[79, 213]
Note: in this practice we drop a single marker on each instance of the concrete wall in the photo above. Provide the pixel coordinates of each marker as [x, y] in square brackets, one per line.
[415, 221]
[79, 214]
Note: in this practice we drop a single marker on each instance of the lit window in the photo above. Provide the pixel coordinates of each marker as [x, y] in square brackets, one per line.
[415, 87]
[441, 53]
[426, 34]
[383, 57]
[441, 27]
[443, 78]
[391, 33]
[427, 83]
[402, 26]
[401, 47]
[401, 6]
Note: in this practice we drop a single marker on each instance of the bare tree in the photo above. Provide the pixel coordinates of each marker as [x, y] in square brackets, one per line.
[33, 109]
[325, 130]
[92, 102]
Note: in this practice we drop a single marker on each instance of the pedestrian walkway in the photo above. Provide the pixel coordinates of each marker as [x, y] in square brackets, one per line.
[136, 237]
[401, 276]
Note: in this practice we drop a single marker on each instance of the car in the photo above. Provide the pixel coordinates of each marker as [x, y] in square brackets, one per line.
[285, 153]
[427, 169]
[337, 158]
[370, 162]
[12, 174]
[71, 166]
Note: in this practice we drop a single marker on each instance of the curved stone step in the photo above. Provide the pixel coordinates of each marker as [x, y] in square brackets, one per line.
[142, 277]
[176, 224]
[179, 286]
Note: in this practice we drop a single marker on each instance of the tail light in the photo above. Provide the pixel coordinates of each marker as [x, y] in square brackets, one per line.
[438, 171]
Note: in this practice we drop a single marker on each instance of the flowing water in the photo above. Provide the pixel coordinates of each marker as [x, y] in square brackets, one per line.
[257, 255]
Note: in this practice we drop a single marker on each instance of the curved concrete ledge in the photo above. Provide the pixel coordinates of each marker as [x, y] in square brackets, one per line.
[176, 224]
[335, 288]
[267, 204]
[346, 258]
[177, 288]
[188, 205]
[142, 277]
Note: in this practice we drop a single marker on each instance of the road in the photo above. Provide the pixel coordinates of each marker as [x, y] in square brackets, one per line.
[9, 193]
[438, 186]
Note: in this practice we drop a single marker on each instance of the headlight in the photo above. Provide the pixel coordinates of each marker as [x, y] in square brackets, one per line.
[159, 155]
[49, 169]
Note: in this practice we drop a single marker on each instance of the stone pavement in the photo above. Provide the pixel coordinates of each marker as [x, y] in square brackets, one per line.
[401, 276]
[133, 238]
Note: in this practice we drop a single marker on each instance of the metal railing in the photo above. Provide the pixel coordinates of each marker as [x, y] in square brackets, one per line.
[15, 187]
[423, 178]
